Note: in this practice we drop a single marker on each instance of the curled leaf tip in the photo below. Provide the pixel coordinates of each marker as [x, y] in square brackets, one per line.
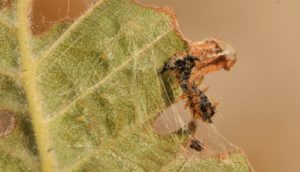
[214, 55]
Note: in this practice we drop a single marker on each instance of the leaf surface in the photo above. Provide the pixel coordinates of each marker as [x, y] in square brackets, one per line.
[85, 94]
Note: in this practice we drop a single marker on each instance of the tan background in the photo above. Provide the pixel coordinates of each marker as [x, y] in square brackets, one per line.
[259, 98]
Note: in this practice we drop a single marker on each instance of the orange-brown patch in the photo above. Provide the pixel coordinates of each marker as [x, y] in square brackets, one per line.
[7, 122]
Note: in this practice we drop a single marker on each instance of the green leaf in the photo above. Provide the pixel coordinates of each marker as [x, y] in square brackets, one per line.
[85, 94]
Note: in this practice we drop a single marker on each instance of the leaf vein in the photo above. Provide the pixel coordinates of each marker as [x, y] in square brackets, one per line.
[126, 131]
[68, 32]
[105, 79]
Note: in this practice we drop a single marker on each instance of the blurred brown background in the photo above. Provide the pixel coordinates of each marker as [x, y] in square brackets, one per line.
[259, 98]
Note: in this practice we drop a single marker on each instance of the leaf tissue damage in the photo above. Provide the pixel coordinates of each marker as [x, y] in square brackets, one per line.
[83, 96]
[7, 122]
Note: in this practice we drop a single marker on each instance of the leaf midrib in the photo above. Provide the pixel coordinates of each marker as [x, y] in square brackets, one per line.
[27, 63]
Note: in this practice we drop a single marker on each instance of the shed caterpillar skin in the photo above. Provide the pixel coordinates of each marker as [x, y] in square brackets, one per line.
[190, 68]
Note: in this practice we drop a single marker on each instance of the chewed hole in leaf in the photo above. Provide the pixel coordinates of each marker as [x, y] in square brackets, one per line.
[7, 122]
[4, 3]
